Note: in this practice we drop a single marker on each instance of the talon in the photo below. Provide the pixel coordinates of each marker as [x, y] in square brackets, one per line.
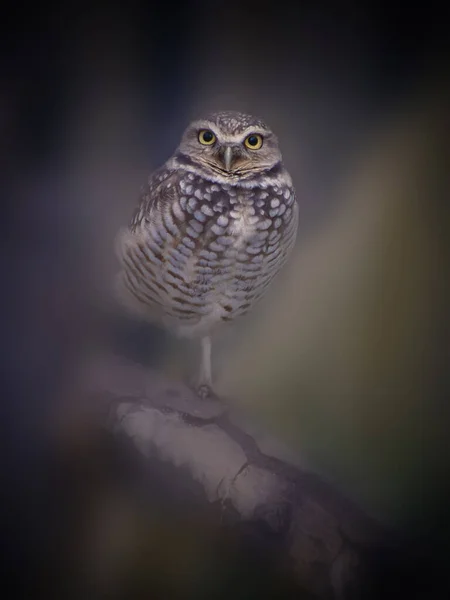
[204, 391]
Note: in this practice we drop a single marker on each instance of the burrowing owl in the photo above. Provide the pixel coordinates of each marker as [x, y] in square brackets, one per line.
[213, 227]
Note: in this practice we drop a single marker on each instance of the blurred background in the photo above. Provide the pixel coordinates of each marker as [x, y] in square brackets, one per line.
[347, 358]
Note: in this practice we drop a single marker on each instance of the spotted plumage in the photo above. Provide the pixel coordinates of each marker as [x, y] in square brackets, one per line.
[213, 227]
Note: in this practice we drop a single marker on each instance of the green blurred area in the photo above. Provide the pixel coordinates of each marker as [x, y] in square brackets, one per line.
[348, 357]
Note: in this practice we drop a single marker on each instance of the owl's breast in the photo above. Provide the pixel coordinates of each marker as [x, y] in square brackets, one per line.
[207, 252]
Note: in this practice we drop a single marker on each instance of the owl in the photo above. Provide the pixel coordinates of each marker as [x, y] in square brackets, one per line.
[212, 229]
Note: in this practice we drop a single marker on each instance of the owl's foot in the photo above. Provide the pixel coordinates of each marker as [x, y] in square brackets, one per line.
[204, 390]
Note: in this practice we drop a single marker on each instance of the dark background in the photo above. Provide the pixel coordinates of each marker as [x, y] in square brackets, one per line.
[93, 99]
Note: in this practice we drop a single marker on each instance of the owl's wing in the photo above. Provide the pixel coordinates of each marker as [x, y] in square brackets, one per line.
[134, 242]
[160, 190]
[155, 251]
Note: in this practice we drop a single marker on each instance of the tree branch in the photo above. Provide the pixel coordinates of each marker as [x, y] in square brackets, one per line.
[329, 544]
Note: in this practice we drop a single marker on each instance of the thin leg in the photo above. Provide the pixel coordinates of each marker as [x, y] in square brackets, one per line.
[205, 376]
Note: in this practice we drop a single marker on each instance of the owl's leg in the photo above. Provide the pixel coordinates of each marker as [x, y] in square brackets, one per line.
[204, 386]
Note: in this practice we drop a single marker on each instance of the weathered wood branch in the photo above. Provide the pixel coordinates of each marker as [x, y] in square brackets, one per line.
[329, 544]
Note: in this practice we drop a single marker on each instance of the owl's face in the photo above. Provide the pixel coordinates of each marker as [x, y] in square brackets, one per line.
[230, 145]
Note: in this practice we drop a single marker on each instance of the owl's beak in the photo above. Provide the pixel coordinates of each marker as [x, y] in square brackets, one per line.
[228, 158]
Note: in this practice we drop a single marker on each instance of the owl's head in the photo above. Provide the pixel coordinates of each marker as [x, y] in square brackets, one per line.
[230, 145]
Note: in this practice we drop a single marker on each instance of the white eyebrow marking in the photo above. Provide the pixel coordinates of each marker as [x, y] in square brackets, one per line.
[256, 129]
[240, 137]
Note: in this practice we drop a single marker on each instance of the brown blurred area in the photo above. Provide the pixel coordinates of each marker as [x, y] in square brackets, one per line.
[347, 359]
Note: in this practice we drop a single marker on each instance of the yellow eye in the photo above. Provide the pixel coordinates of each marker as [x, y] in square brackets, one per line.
[254, 141]
[206, 137]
